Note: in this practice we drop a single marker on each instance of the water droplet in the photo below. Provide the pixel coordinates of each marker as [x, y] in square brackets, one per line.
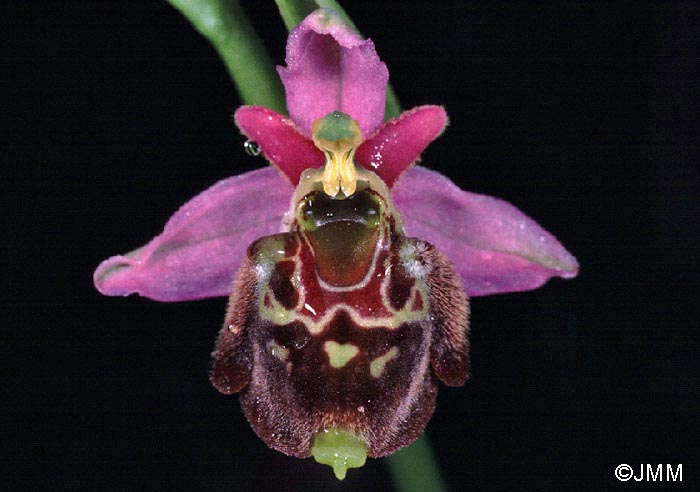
[251, 148]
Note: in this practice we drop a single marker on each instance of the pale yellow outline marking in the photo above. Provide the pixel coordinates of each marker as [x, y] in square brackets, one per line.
[277, 350]
[339, 354]
[376, 367]
[280, 315]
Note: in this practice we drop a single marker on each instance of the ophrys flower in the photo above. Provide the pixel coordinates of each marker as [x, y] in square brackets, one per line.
[349, 303]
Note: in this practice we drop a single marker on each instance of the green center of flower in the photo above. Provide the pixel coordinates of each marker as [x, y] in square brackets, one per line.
[338, 135]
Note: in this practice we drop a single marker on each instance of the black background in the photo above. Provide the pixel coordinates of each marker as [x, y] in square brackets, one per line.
[578, 113]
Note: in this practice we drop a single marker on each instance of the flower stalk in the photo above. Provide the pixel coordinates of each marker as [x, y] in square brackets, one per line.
[414, 469]
[225, 25]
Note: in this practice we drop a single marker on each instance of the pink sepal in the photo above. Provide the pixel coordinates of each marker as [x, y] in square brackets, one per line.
[203, 244]
[331, 68]
[493, 245]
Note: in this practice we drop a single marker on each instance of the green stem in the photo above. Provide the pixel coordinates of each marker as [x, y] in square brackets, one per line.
[225, 25]
[294, 11]
[393, 106]
[414, 469]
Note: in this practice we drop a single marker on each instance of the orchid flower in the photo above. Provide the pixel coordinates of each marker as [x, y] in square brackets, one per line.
[333, 294]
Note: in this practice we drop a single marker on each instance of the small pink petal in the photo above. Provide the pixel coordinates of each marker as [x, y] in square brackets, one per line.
[203, 244]
[399, 143]
[494, 246]
[330, 68]
[279, 141]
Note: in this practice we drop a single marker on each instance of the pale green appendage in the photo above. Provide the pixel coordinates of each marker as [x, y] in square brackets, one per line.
[225, 25]
[339, 449]
[294, 11]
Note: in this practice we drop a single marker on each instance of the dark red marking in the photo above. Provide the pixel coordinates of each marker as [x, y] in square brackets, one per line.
[399, 286]
[418, 302]
[343, 251]
[281, 284]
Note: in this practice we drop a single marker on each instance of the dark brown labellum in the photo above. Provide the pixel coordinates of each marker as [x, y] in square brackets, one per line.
[342, 324]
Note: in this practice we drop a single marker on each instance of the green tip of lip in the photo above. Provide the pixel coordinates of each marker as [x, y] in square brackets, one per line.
[338, 449]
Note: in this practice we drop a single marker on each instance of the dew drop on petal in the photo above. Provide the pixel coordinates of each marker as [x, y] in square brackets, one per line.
[251, 148]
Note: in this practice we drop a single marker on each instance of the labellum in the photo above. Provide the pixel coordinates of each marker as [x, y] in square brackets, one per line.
[338, 331]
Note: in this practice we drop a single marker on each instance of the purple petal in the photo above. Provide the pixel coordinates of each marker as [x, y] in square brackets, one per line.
[399, 143]
[330, 68]
[494, 246]
[279, 141]
[203, 244]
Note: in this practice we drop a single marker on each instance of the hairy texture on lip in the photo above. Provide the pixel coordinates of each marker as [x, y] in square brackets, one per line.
[449, 308]
[232, 361]
[286, 402]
